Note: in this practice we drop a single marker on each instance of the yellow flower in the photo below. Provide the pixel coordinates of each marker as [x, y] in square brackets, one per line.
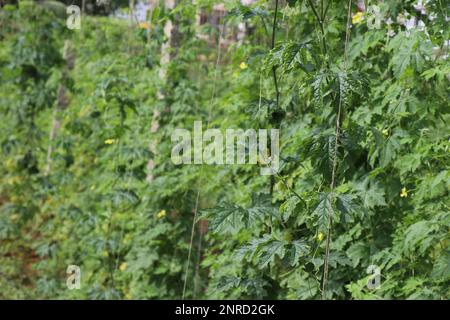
[243, 66]
[385, 132]
[123, 266]
[161, 214]
[357, 18]
[144, 25]
[109, 141]
[320, 236]
[403, 193]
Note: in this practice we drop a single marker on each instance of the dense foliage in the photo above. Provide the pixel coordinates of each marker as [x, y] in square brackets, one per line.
[87, 178]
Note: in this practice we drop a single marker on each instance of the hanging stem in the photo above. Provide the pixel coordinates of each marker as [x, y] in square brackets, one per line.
[291, 190]
[197, 265]
[277, 91]
[190, 245]
[274, 69]
[320, 19]
[333, 173]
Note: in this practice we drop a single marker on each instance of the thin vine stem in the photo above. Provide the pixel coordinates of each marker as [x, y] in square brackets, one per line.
[198, 192]
[292, 190]
[190, 246]
[320, 19]
[333, 173]
[274, 69]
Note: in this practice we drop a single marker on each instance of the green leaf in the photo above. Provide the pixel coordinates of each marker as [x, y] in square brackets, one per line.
[357, 252]
[441, 268]
[225, 217]
[295, 251]
[323, 211]
[288, 207]
[345, 203]
[227, 282]
[289, 56]
[264, 251]
[232, 217]
[370, 193]
[419, 236]
[144, 260]
[255, 287]
[125, 197]
[384, 150]
[408, 50]
[268, 251]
